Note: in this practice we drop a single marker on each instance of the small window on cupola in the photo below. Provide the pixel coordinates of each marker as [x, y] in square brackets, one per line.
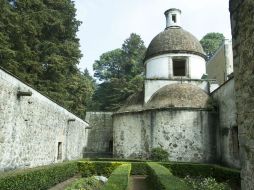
[174, 18]
[179, 67]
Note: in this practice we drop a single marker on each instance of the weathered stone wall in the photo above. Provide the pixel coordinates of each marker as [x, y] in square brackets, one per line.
[100, 136]
[242, 19]
[188, 135]
[227, 133]
[221, 64]
[34, 130]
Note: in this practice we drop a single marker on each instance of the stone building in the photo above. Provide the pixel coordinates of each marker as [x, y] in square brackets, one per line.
[220, 66]
[175, 110]
[34, 130]
[191, 117]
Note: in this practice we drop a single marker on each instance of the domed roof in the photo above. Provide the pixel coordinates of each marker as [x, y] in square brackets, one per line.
[174, 40]
[179, 95]
[133, 103]
[170, 96]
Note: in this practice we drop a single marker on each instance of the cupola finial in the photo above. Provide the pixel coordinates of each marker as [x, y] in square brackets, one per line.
[173, 18]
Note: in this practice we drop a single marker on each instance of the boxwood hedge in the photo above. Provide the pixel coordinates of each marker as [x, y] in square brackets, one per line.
[163, 179]
[89, 168]
[119, 179]
[220, 173]
[38, 178]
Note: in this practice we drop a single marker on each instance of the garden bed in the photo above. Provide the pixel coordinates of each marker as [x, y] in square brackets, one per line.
[164, 174]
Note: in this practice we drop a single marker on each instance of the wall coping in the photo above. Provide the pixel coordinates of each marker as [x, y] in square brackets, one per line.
[51, 100]
[222, 85]
[166, 109]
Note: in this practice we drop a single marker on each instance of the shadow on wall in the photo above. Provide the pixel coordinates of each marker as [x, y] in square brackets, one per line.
[100, 135]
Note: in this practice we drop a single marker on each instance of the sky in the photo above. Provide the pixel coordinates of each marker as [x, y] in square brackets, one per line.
[107, 23]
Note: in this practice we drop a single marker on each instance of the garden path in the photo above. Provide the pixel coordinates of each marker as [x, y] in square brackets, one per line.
[138, 182]
[64, 184]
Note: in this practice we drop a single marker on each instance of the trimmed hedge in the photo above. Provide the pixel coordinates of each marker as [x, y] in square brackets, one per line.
[221, 174]
[163, 179]
[89, 168]
[139, 168]
[116, 160]
[38, 178]
[119, 179]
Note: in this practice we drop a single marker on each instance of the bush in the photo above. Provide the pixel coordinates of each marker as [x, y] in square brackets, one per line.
[221, 174]
[115, 159]
[38, 178]
[119, 179]
[89, 168]
[138, 168]
[162, 178]
[158, 154]
[89, 183]
[206, 183]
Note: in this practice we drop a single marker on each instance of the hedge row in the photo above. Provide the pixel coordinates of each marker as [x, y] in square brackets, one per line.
[89, 168]
[163, 179]
[38, 178]
[139, 168]
[117, 159]
[47, 176]
[119, 179]
[221, 174]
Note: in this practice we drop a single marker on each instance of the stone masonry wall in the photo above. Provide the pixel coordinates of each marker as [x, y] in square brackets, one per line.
[188, 135]
[242, 19]
[100, 134]
[227, 133]
[34, 130]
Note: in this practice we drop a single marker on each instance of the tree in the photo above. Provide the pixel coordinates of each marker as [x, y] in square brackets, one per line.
[39, 45]
[133, 55]
[121, 71]
[211, 42]
[109, 66]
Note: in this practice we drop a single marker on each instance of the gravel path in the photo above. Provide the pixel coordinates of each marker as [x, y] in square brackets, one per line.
[138, 183]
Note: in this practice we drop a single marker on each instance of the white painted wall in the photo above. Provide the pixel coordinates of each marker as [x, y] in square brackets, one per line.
[160, 67]
[169, 20]
[152, 86]
[32, 126]
[221, 64]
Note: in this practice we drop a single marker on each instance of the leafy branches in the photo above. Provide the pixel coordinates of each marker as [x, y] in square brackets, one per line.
[211, 42]
[121, 71]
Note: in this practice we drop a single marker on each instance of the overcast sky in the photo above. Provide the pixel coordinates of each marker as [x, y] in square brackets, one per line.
[107, 23]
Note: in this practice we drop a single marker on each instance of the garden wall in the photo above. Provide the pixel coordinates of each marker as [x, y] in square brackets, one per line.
[34, 130]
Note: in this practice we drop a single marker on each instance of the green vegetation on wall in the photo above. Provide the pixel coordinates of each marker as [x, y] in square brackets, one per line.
[159, 154]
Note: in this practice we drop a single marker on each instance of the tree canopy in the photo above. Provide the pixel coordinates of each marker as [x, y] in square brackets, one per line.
[121, 72]
[211, 42]
[39, 45]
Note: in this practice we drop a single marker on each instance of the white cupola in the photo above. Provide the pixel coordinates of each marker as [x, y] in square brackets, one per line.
[174, 53]
[173, 18]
